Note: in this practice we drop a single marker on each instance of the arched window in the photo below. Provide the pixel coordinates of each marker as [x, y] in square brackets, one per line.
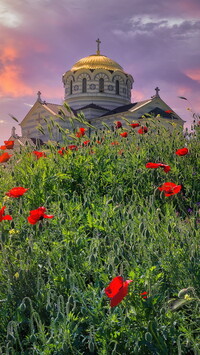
[84, 85]
[71, 87]
[101, 85]
[117, 87]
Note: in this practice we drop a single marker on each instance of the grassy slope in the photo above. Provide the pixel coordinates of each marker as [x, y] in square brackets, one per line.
[110, 219]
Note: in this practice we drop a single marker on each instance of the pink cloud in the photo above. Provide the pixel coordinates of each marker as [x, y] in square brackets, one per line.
[184, 91]
[194, 74]
[49, 93]
[192, 104]
[8, 53]
[136, 95]
[11, 82]
[190, 8]
[13, 71]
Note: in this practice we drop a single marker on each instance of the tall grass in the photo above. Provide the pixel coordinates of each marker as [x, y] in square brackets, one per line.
[109, 219]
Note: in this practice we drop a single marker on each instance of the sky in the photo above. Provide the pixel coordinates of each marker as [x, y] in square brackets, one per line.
[156, 41]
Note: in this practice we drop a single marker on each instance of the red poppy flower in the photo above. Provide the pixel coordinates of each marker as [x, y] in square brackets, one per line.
[182, 151]
[117, 290]
[124, 134]
[3, 216]
[170, 188]
[143, 130]
[165, 167]
[80, 132]
[38, 215]
[118, 124]
[144, 295]
[3, 147]
[16, 191]
[115, 143]
[5, 157]
[152, 165]
[169, 111]
[72, 147]
[39, 154]
[9, 144]
[62, 151]
[86, 142]
[134, 125]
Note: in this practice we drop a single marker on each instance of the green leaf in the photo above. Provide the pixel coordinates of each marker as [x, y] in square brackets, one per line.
[175, 304]
[13, 117]
[182, 97]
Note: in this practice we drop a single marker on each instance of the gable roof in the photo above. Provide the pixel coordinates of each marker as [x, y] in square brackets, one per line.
[97, 107]
[53, 109]
[125, 108]
[147, 105]
[56, 109]
[158, 111]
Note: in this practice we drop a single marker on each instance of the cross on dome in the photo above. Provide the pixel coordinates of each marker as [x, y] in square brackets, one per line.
[39, 96]
[98, 46]
[157, 91]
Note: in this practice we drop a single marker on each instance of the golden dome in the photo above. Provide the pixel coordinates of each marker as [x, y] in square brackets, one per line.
[97, 61]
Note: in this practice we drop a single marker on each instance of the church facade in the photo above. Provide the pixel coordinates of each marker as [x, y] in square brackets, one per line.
[99, 88]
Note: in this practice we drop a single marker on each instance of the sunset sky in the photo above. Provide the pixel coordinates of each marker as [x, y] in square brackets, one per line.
[156, 41]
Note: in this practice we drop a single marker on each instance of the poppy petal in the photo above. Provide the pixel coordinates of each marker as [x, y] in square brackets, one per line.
[119, 296]
[134, 125]
[118, 124]
[182, 151]
[4, 157]
[124, 134]
[152, 165]
[144, 294]
[32, 220]
[166, 168]
[170, 188]
[9, 144]
[143, 130]
[48, 216]
[7, 217]
[3, 216]
[113, 288]
[16, 191]
[175, 190]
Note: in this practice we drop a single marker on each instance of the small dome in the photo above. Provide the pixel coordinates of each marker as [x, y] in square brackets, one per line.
[97, 61]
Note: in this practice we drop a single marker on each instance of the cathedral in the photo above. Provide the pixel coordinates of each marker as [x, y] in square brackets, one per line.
[98, 87]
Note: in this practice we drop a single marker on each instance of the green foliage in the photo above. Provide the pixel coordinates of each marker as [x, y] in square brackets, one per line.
[109, 219]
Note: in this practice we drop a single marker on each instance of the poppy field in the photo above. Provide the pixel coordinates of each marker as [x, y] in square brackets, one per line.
[99, 244]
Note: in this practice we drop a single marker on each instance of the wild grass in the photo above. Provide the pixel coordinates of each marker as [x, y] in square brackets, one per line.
[109, 219]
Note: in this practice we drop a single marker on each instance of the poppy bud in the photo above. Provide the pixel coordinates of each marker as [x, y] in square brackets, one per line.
[118, 124]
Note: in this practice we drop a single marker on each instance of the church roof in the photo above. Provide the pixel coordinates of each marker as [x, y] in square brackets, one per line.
[158, 111]
[135, 107]
[97, 107]
[97, 61]
[55, 108]
[52, 109]
[125, 108]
